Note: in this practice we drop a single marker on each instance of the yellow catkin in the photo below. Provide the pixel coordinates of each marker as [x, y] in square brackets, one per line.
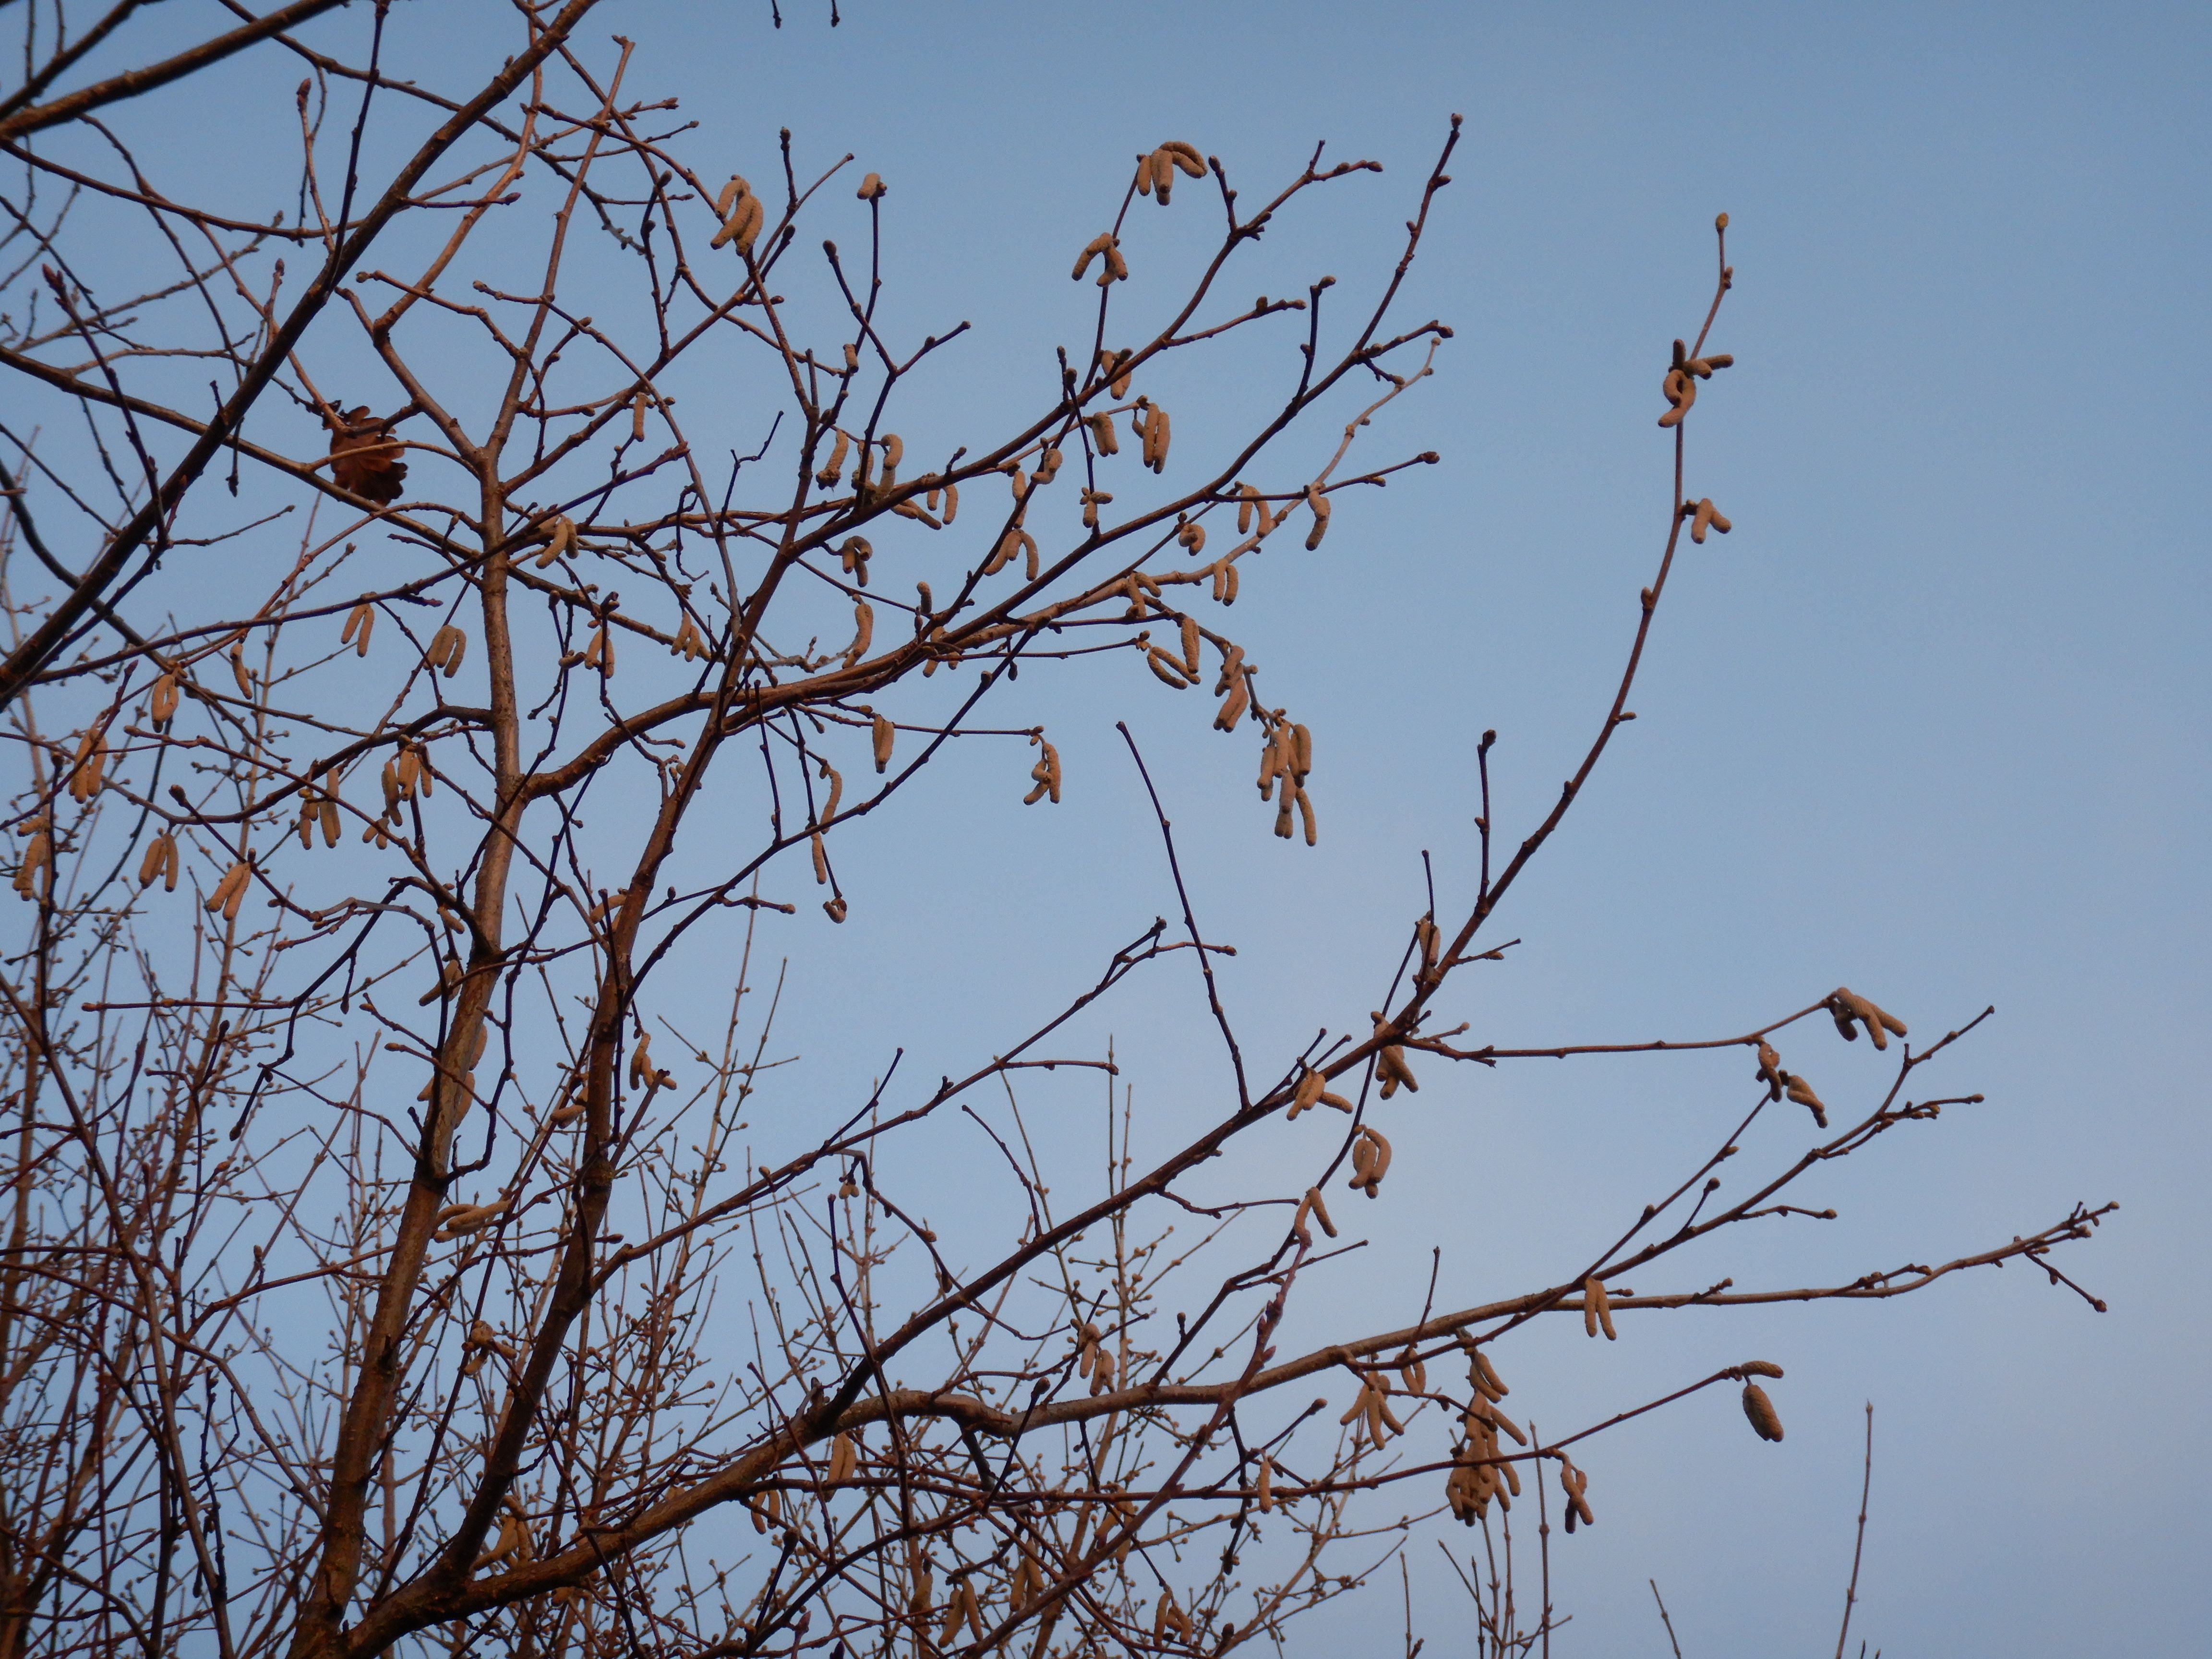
[844, 1458]
[743, 225]
[1103, 436]
[883, 733]
[1766, 1422]
[1320, 1209]
[359, 622]
[238, 670]
[1045, 774]
[827, 477]
[1321, 508]
[1313, 838]
[1263, 1490]
[1162, 167]
[1156, 439]
[1102, 243]
[1308, 1092]
[1597, 1310]
[1118, 268]
[230, 891]
[1163, 668]
[871, 188]
[836, 790]
[864, 632]
[150, 866]
[162, 706]
[637, 418]
[1800, 1092]
[821, 860]
[1185, 156]
[559, 540]
[728, 198]
[1193, 536]
[37, 856]
[1487, 1375]
[1124, 365]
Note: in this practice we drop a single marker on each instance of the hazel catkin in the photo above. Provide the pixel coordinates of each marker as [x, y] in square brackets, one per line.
[1766, 1422]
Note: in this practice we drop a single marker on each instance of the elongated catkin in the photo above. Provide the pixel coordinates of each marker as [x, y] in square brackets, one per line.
[884, 733]
[1321, 508]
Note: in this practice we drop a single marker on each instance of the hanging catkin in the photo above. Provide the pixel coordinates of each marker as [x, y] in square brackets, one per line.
[835, 466]
[230, 891]
[1102, 243]
[1163, 668]
[864, 631]
[87, 772]
[1597, 1310]
[884, 734]
[159, 850]
[1321, 508]
[1045, 774]
[162, 706]
[560, 539]
[1765, 1421]
[37, 856]
[359, 621]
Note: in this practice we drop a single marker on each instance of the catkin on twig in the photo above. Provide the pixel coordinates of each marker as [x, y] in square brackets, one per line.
[560, 539]
[1845, 1004]
[864, 632]
[1597, 1310]
[1045, 774]
[1321, 508]
[871, 188]
[883, 733]
[230, 891]
[1165, 669]
[359, 622]
[161, 705]
[835, 466]
[1765, 1421]
[1801, 1092]
[1102, 243]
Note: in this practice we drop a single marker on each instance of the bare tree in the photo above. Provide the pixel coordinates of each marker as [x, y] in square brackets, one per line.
[383, 1269]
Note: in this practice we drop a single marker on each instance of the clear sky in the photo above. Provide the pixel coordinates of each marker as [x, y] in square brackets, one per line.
[1931, 722]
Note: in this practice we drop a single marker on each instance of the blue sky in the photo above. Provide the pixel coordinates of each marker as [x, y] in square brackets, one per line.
[1930, 722]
